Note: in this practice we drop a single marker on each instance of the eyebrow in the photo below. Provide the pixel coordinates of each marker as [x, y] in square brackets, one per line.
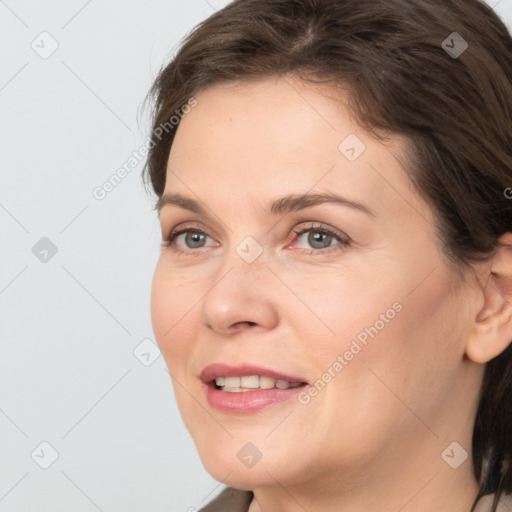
[282, 206]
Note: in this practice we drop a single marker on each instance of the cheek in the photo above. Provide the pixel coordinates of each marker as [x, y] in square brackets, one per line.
[171, 311]
[408, 354]
[342, 305]
[172, 316]
[399, 343]
[161, 305]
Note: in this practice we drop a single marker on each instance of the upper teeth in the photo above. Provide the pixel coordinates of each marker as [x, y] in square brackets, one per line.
[249, 382]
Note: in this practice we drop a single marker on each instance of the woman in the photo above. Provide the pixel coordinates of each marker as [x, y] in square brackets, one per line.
[333, 297]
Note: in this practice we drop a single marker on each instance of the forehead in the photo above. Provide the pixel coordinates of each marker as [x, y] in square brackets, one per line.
[280, 135]
[267, 118]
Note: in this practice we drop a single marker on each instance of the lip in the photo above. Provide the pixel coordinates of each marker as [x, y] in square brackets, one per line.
[246, 402]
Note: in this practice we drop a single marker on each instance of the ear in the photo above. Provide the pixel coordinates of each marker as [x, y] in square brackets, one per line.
[491, 331]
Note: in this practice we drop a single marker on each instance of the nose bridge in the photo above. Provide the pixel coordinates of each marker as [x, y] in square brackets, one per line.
[245, 264]
[250, 250]
[245, 240]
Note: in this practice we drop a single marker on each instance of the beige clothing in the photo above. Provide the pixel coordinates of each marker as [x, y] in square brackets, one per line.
[234, 500]
[230, 500]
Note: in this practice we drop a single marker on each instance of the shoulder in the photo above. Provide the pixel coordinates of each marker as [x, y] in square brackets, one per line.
[235, 500]
[230, 500]
[485, 503]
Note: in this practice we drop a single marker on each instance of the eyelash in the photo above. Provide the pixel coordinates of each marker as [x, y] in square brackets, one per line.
[343, 239]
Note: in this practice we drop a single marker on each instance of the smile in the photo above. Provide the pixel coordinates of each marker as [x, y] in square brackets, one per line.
[245, 388]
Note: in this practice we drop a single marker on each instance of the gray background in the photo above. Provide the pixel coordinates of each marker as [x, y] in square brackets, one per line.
[79, 368]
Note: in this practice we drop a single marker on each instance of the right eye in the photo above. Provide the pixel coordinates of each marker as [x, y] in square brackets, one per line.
[193, 238]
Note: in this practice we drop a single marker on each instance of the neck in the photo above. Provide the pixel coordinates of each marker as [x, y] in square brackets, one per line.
[403, 485]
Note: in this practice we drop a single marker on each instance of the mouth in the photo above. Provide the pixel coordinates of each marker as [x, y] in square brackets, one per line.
[247, 388]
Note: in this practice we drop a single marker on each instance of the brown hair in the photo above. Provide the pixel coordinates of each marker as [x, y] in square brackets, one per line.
[393, 59]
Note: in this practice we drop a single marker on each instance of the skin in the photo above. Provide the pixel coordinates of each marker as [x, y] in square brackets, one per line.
[372, 439]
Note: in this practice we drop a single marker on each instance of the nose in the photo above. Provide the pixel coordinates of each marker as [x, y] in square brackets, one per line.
[240, 297]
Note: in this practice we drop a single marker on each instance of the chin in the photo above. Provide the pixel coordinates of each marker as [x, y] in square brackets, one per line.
[244, 478]
[241, 465]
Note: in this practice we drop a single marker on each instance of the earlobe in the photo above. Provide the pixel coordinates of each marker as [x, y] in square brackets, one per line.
[491, 332]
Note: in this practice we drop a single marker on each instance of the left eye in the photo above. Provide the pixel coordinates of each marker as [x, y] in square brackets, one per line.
[318, 238]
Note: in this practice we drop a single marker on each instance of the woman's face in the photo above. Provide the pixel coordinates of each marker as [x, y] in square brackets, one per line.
[366, 315]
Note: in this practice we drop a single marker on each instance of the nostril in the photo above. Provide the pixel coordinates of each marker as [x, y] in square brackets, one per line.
[240, 324]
